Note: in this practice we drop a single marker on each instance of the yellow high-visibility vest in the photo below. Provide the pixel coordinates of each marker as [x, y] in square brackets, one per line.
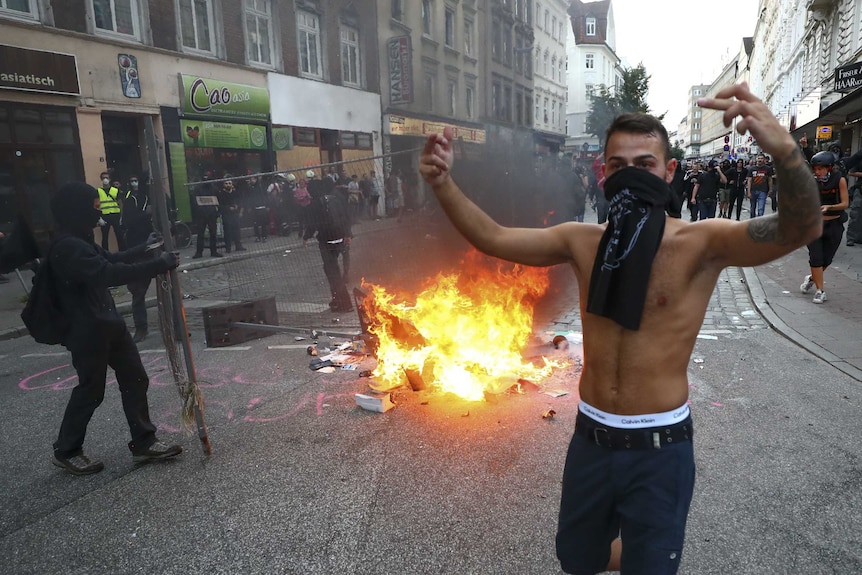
[108, 201]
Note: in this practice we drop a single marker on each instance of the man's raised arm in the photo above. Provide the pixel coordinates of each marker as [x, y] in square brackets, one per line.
[799, 221]
[529, 246]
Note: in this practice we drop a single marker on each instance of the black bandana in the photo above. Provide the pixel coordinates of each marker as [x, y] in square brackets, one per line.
[626, 251]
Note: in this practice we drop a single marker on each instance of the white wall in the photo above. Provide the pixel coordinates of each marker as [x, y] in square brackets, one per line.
[310, 104]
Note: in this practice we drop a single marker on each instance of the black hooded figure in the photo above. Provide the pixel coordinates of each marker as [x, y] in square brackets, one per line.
[98, 337]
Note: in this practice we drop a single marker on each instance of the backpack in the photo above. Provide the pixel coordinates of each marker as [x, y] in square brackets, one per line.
[336, 220]
[42, 315]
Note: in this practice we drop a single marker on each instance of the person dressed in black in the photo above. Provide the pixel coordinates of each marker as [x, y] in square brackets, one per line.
[97, 336]
[231, 211]
[205, 215]
[256, 200]
[738, 180]
[705, 192]
[330, 223]
[138, 224]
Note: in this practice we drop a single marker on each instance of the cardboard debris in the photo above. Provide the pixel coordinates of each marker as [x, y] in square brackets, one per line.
[555, 392]
[375, 401]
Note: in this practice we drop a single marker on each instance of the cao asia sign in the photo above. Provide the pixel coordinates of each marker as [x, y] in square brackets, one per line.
[38, 71]
[208, 97]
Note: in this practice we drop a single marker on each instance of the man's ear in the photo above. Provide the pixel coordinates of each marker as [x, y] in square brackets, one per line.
[670, 171]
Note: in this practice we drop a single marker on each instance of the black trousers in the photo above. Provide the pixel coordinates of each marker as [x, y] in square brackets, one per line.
[121, 354]
[202, 224]
[337, 279]
[138, 289]
[261, 222]
[736, 197]
[230, 222]
[113, 221]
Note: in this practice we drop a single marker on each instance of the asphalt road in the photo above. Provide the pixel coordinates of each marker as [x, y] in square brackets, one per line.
[302, 481]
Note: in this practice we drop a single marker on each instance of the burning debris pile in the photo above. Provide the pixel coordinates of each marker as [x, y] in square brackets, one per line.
[464, 333]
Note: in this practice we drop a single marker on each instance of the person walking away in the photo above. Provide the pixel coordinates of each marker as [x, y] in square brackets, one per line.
[759, 185]
[109, 196]
[355, 198]
[97, 336]
[579, 194]
[854, 226]
[256, 199]
[705, 192]
[205, 216]
[833, 200]
[330, 223]
[738, 180]
[645, 282]
[724, 189]
[231, 212]
[395, 194]
[302, 203]
[690, 181]
[373, 196]
[138, 224]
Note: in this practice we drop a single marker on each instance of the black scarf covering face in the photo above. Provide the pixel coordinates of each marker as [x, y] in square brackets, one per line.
[626, 251]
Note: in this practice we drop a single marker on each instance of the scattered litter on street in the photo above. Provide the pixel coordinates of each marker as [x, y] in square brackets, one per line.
[555, 392]
[698, 360]
[549, 414]
[374, 401]
[706, 336]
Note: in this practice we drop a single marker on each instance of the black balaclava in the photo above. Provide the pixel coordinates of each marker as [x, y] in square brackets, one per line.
[73, 209]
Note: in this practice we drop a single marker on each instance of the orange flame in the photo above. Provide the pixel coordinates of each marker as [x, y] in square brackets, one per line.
[464, 333]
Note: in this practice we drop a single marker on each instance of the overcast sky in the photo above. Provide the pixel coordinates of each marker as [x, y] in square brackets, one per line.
[681, 43]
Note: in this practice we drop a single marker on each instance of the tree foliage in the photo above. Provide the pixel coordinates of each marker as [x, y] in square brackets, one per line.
[606, 104]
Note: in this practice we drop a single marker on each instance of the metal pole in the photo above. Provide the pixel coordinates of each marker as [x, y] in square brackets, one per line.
[159, 201]
[21, 279]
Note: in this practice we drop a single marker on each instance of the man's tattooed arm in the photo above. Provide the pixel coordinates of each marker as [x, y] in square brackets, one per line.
[799, 211]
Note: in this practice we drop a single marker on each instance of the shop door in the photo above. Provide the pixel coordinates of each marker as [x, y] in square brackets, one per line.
[122, 147]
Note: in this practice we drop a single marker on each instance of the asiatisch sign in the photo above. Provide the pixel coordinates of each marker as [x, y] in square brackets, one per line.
[848, 78]
[38, 71]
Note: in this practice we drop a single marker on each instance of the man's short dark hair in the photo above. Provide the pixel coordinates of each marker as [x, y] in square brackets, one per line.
[640, 124]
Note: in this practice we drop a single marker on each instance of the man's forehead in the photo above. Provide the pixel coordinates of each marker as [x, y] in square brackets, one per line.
[633, 144]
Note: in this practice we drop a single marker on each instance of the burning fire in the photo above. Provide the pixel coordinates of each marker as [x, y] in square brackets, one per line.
[464, 333]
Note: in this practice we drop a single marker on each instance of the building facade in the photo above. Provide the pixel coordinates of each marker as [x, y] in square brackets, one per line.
[84, 78]
[593, 62]
[551, 29]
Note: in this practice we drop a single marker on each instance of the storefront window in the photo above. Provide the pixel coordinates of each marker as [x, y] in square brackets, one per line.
[60, 129]
[5, 128]
[28, 126]
[305, 137]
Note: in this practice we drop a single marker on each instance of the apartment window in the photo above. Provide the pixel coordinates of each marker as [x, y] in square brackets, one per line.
[547, 20]
[308, 36]
[519, 109]
[560, 116]
[453, 97]
[426, 17]
[496, 97]
[350, 64]
[538, 13]
[538, 55]
[19, 8]
[429, 92]
[517, 8]
[305, 136]
[507, 46]
[196, 17]
[560, 71]
[696, 91]
[561, 36]
[697, 113]
[545, 116]
[695, 126]
[258, 15]
[591, 61]
[117, 16]
[545, 65]
[469, 32]
[470, 101]
[528, 103]
[496, 40]
[537, 115]
[554, 113]
[450, 27]
[528, 11]
[507, 103]
[591, 26]
[589, 89]
[553, 66]
[554, 27]
[397, 9]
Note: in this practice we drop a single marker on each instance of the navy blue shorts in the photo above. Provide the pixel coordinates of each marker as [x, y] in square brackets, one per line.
[639, 495]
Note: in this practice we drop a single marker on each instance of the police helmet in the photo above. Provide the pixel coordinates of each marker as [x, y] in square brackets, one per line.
[823, 159]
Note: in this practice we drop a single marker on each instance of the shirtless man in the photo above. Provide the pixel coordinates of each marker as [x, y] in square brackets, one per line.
[629, 473]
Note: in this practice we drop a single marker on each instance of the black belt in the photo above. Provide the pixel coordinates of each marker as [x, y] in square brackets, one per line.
[641, 438]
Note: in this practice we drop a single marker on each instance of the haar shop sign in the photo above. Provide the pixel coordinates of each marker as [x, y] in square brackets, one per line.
[848, 78]
[38, 71]
[208, 97]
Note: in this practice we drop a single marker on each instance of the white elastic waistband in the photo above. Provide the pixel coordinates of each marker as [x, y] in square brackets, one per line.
[635, 421]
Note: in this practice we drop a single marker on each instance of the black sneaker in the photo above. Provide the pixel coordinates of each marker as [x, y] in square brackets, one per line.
[78, 464]
[217, 255]
[140, 335]
[156, 451]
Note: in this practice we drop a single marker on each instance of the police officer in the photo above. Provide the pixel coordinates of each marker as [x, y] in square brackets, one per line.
[109, 196]
[138, 225]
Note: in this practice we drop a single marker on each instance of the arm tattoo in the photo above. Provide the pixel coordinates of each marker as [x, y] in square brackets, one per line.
[800, 204]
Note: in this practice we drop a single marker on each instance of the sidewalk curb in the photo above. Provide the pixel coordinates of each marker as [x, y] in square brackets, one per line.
[761, 303]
